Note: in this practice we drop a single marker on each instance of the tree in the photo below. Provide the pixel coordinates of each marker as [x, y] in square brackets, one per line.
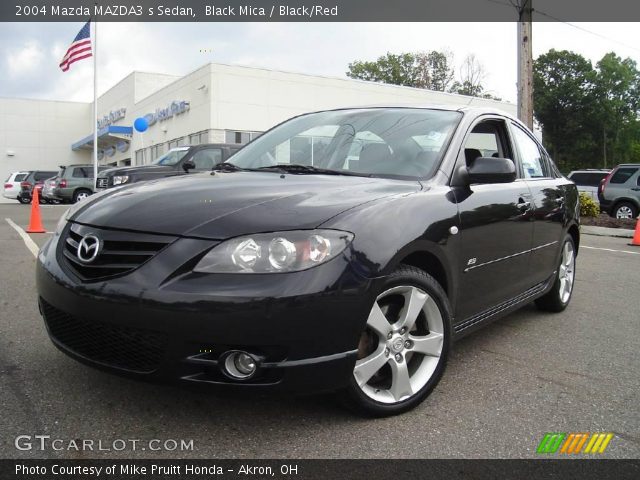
[430, 70]
[587, 113]
[563, 84]
[472, 75]
[617, 90]
[434, 71]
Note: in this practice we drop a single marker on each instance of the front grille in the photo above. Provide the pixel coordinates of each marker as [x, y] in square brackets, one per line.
[102, 182]
[121, 252]
[126, 348]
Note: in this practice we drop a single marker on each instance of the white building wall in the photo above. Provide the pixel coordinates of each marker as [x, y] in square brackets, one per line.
[37, 134]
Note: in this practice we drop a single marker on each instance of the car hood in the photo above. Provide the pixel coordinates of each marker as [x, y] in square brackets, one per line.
[224, 205]
[133, 170]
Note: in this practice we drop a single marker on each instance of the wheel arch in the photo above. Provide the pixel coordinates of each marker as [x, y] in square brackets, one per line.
[574, 231]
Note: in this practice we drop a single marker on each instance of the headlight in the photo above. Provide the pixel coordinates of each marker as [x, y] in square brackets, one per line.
[275, 252]
[120, 179]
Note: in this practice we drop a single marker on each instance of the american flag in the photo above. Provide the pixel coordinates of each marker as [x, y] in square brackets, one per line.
[80, 48]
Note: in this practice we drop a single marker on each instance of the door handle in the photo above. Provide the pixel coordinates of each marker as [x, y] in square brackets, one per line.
[636, 189]
[559, 200]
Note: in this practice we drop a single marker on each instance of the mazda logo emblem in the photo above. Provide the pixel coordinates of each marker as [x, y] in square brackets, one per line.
[89, 248]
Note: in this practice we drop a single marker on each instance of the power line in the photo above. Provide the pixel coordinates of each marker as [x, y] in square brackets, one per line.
[516, 4]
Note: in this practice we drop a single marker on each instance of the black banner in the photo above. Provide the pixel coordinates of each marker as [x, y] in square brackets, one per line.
[314, 10]
[320, 469]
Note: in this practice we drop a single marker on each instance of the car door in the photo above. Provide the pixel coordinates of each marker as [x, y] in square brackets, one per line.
[495, 227]
[548, 193]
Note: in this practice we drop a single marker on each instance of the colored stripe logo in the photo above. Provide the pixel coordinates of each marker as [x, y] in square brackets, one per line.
[574, 443]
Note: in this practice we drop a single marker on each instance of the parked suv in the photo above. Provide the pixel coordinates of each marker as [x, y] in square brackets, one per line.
[588, 180]
[177, 161]
[75, 182]
[619, 192]
[349, 269]
[33, 179]
[12, 184]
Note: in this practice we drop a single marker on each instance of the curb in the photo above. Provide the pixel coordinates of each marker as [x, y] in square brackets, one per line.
[606, 232]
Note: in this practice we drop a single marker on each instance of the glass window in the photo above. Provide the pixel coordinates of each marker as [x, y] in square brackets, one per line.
[623, 174]
[39, 176]
[532, 163]
[140, 157]
[378, 141]
[207, 158]
[238, 137]
[80, 172]
[172, 157]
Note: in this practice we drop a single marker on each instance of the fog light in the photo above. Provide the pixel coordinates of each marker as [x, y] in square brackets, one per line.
[240, 365]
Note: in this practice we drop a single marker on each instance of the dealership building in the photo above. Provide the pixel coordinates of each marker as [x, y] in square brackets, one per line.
[214, 104]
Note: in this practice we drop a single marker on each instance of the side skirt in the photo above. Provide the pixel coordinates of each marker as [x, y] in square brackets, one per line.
[493, 313]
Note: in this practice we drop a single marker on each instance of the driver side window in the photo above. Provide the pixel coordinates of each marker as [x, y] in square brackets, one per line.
[206, 159]
[487, 139]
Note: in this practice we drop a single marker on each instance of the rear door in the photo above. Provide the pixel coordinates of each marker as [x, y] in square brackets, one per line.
[496, 231]
[548, 193]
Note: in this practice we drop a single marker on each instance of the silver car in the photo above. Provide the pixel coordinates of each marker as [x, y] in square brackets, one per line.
[588, 180]
[619, 193]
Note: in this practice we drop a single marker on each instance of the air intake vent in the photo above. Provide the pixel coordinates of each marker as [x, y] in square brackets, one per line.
[118, 254]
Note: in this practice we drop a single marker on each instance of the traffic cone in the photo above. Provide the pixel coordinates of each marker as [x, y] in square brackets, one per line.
[35, 223]
[636, 235]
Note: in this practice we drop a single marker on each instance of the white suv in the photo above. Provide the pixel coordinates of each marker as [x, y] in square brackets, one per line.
[12, 184]
[588, 180]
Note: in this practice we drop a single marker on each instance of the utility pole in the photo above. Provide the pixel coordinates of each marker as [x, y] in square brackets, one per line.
[525, 64]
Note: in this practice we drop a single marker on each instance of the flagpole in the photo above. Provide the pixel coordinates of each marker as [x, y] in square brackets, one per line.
[95, 105]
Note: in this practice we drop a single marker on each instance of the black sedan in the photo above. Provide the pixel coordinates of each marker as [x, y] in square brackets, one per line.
[341, 251]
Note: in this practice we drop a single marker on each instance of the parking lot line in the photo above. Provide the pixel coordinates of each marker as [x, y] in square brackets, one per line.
[31, 245]
[610, 250]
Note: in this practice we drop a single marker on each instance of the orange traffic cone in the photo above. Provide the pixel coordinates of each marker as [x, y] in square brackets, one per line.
[35, 223]
[636, 235]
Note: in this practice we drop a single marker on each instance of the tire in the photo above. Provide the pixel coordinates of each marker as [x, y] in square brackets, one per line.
[81, 194]
[392, 375]
[558, 298]
[23, 200]
[624, 210]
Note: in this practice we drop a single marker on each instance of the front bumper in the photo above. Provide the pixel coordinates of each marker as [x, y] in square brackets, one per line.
[162, 322]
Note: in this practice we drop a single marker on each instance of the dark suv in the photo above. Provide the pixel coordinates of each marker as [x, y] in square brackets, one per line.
[342, 250]
[35, 179]
[177, 161]
[619, 192]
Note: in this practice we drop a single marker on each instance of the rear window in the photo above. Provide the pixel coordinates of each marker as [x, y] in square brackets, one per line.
[623, 174]
[588, 179]
[43, 175]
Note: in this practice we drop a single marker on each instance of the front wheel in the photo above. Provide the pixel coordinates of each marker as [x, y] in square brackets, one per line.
[403, 349]
[24, 200]
[557, 299]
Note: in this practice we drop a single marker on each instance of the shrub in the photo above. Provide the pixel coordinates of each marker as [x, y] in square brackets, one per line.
[588, 208]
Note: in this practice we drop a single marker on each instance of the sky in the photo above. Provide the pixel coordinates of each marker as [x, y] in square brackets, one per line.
[30, 52]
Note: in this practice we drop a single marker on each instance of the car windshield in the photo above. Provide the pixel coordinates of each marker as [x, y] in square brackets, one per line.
[395, 142]
[172, 157]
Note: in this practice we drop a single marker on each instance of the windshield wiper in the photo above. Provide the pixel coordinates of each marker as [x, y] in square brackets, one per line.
[307, 169]
[227, 167]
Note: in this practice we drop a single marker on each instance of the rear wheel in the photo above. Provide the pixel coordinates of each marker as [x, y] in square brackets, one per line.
[80, 195]
[24, 200]
[557, 299]
[625, 210]
[403, 349]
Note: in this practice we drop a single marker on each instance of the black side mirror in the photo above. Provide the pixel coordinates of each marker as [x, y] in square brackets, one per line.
[188, 165]
[491, 170]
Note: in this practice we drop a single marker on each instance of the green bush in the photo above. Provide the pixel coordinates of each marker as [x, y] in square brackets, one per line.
[588, 208]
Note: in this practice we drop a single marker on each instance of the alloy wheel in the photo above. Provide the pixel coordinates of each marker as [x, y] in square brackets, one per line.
[401, 346]
[624, 212]
[567, 272]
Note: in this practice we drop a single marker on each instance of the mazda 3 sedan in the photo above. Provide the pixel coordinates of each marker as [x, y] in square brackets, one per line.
[342, 250]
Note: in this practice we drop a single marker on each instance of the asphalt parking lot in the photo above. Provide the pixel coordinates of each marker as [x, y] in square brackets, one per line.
[504, 388]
